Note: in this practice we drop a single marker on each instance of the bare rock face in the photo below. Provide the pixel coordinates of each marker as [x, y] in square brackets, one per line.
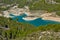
[45, 35]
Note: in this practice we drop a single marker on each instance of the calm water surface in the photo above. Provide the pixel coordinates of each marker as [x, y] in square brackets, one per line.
[37, 22]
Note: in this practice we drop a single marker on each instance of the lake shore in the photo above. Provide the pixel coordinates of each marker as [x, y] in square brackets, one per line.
[29, 18]
[52, 18]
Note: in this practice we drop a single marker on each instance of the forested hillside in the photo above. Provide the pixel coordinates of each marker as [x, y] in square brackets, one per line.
[46, 5]
[10, 29]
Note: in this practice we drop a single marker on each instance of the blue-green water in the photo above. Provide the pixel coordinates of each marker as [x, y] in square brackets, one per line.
[37, 22]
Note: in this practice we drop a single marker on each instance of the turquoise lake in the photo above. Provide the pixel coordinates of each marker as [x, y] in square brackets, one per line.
[37, 22]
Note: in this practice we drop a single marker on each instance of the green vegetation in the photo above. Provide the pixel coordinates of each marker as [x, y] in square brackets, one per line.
[35, 4]
[15, 29]
[2, 9]
[57, 1]
[8, 1]
[10, 29]
[41, 5]
[58, 13]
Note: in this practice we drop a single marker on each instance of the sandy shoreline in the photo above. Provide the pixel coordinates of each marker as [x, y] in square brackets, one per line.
[52, 18]
[44, 17]
[29, 18]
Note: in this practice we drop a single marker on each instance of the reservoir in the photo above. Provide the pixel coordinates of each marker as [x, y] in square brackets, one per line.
[36, 22]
